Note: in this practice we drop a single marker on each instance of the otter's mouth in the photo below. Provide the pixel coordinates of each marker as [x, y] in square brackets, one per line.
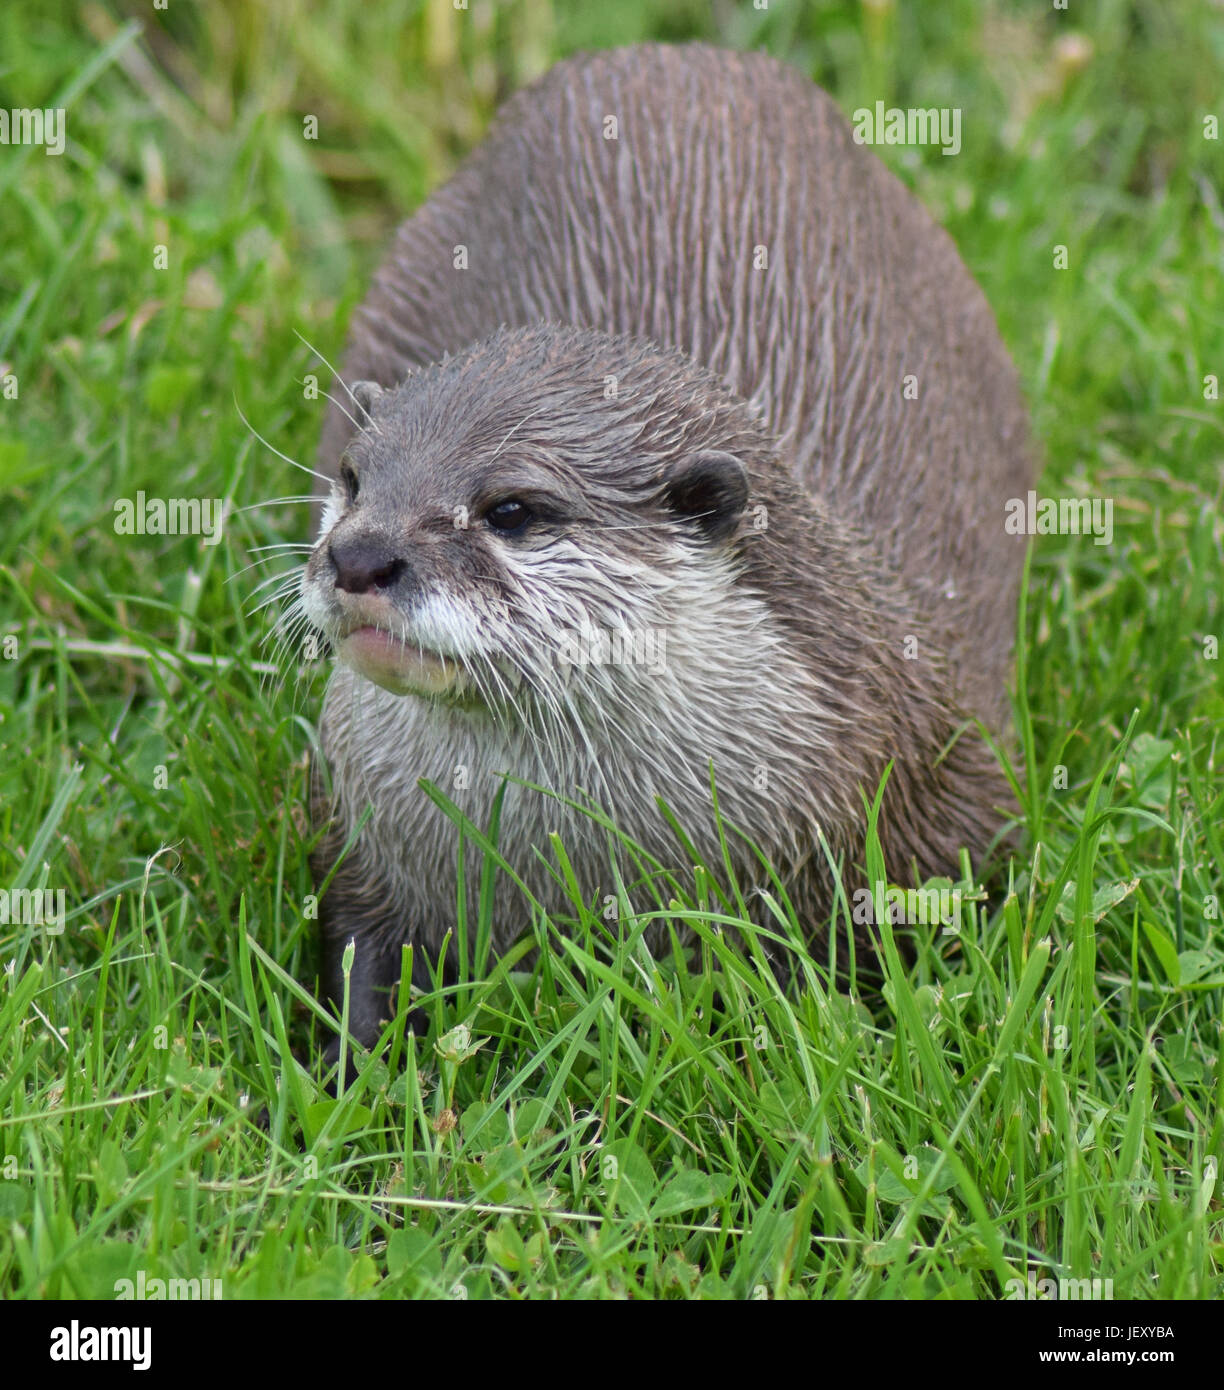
[398, 664]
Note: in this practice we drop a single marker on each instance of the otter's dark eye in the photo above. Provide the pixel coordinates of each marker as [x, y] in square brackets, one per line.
[349, 479]
[509, 516]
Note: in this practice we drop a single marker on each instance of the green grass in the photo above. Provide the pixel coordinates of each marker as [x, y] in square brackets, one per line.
[1036, 1098]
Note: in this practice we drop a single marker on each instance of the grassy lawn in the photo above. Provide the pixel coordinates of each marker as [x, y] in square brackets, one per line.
[1036, 1098]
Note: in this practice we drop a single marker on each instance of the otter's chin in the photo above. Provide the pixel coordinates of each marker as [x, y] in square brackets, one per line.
[399, 666]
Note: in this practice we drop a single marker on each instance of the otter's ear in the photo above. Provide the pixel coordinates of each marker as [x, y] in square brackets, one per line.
[710, 488]
[365, 393]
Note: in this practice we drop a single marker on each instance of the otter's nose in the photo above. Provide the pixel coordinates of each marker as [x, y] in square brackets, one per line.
[363, 563]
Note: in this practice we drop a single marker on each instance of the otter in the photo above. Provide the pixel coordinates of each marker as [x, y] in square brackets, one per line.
[675, 455]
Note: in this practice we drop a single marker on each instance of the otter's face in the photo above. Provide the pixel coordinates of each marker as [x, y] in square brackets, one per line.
[501, 519]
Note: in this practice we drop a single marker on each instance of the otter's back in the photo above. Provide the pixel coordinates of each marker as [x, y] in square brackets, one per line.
[716, 202]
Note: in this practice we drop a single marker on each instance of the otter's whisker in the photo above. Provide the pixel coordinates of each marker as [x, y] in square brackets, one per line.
[314, 473]
[336, 374]
[530, 415]
[277, 502]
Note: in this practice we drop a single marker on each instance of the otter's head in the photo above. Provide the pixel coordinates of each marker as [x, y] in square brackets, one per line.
[528, 522]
